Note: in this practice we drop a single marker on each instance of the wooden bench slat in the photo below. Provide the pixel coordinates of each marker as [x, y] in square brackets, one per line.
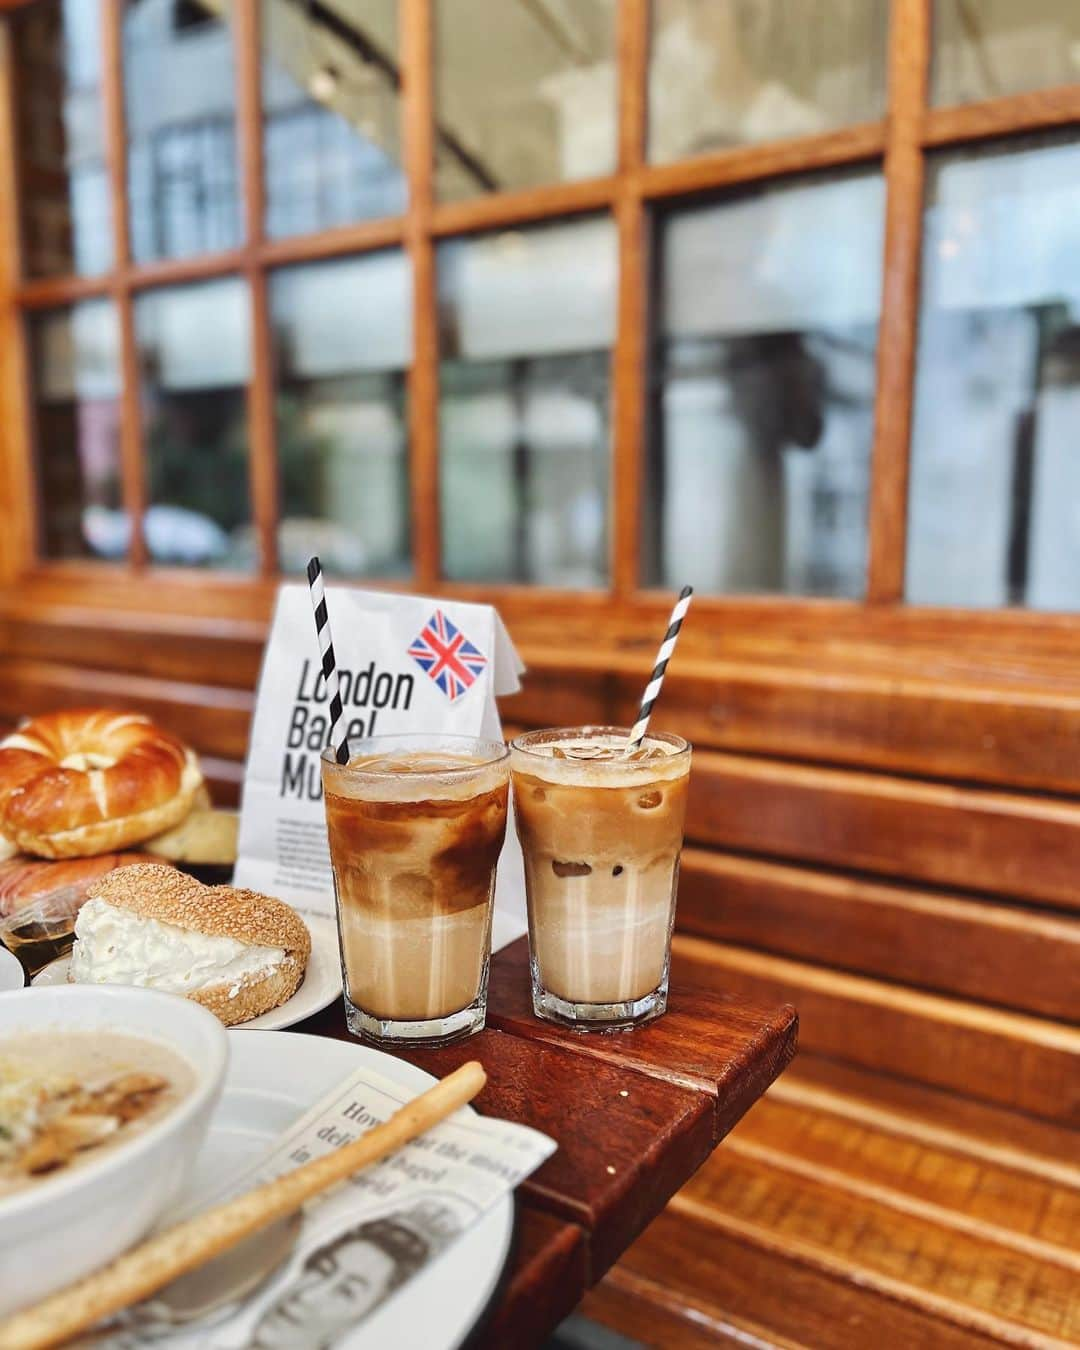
[1038, 1216]
[635, 1305]
[934, 1115]
[733, 1274]
[1008, 1058]
[895, 708]
[955, 944]
[211, 718]
[973, 839]
[961, 1277]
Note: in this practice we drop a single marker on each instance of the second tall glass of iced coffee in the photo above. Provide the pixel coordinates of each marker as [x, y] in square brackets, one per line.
[601, 832]
[416, 824]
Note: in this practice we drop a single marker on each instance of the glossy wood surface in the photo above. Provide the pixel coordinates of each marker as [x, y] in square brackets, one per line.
[908, 65]
[635, 1114]
[849, 1209]
[885, 828]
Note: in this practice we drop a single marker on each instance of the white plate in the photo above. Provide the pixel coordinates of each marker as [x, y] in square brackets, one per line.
[11, 972]
[271, 1081]
[322, 980]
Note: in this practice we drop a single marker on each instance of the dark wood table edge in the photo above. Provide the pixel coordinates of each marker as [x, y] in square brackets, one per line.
[738, 1084]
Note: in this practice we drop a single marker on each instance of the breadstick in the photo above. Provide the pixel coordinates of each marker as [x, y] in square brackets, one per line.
[148, 1267]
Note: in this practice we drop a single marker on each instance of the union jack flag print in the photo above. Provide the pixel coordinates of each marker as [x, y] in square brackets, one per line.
[447, 655]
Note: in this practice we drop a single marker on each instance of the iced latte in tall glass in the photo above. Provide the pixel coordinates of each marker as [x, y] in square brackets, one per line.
[601, 832]
[416, 824]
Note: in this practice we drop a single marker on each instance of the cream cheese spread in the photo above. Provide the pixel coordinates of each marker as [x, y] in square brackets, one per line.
[114, 946]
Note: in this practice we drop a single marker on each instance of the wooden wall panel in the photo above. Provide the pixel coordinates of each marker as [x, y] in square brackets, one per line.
[853, 706]
[227, 653]
[213, 720]
[1004, 843]
[982, 951]
[1006, 1058]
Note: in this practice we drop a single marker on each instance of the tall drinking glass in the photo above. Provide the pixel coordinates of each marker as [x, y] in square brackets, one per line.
[601, 833]
[416, 824]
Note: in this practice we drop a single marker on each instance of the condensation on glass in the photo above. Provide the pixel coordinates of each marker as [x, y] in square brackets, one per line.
[60, 142]
[738, 72]
[179, 106]
[331, 81]
[525, 93]
[194, 346]
[527, 321]
[75, 364]
[761, 405]
[343, 343]
[994, 498]
[995, 47]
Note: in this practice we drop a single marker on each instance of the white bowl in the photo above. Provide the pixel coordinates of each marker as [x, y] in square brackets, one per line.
[64, 1226]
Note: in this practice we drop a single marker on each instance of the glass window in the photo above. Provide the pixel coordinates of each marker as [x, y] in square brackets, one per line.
[527, 319]
[343, 338]
[66, 216]
[331, 81]
[737, 72]
[194, 356]
[993, 47]
[994, 506]
[762, 409]
[524, 93]
[75, 355]
[179, 103]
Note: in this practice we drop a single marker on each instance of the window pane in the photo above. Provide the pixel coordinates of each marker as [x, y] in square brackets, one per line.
[343, 335]
[1003, 47]
[75, 357]
[178, 99]
[530, 101]
[527, 320]
[995, 477]
[194, 345]
[66, 217]
[736, 72]
[332, 127]
[762, 413]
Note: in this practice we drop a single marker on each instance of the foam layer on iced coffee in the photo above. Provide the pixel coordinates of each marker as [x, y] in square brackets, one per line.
[598, 759]
[415, 776]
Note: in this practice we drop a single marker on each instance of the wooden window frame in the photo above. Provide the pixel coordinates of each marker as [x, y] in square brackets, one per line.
[899, 143]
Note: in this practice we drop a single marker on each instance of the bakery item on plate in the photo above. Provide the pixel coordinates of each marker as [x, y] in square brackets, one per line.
[236, 952]
[90, 780]
[31, 883]
[207, 838]
[39, 901]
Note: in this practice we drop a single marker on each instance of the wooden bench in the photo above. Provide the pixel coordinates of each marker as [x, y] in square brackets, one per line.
[883, 831]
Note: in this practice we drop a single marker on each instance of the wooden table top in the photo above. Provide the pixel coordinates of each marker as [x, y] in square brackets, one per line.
[635, 1114]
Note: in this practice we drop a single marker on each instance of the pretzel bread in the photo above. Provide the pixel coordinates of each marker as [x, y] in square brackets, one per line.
[87, 781]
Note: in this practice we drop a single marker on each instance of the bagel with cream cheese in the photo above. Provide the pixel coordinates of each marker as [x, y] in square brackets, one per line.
[86, 781]
[235, 951]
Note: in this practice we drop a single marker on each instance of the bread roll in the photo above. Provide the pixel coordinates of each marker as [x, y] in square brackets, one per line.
[87, 781]
[236, 952]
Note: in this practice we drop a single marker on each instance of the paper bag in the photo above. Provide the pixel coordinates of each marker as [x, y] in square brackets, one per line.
[405, 664]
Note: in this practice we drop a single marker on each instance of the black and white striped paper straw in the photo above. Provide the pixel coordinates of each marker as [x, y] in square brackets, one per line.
[329, 665]
[656, 679]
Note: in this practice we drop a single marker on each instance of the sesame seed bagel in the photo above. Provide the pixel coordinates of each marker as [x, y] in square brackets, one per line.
[86, 781]
[266, 976]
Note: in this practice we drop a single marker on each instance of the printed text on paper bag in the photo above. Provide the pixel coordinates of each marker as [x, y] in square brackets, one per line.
[364, 693]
